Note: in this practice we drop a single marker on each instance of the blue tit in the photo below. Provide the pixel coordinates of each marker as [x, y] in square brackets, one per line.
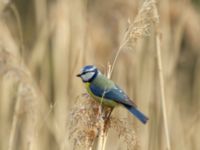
[107, 92]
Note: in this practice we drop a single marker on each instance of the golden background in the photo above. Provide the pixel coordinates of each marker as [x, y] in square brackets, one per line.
[44, 43]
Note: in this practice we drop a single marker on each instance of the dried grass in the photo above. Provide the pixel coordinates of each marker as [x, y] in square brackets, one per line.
[38, 64]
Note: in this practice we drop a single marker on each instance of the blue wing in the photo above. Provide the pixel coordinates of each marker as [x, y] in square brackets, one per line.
[115, 93]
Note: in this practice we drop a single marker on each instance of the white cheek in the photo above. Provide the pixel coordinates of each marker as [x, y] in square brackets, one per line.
[87, 76]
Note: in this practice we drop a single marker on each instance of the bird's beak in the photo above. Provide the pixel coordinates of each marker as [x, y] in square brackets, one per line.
[78, 75]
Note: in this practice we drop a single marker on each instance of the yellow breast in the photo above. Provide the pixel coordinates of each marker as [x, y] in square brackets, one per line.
[101, 100]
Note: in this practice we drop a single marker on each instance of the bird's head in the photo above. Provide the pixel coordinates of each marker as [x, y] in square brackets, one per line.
[88, 73]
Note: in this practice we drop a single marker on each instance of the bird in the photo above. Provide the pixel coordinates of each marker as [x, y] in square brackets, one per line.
[107, 92]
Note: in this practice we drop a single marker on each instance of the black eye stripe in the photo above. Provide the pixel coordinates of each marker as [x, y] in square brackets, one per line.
[86, 72]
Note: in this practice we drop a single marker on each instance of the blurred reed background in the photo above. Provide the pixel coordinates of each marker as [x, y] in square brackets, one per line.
[44, 43]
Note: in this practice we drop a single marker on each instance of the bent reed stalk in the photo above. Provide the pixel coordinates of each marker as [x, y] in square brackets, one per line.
[140, 28]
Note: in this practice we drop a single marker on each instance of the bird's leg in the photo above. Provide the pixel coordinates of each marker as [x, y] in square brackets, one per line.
[107, 119]
[109, 113]
[106, 112]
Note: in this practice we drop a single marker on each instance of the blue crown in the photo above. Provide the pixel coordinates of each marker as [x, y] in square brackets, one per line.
[88, 68]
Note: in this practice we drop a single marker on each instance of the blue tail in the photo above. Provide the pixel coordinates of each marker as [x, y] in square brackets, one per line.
[137, 113]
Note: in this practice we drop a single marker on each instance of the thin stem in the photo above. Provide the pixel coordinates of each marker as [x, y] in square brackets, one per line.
[162, 86]
[100, 143]
[15, 122]
[104, 141]
[117, 55]
[19, 26]
[161, 79]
